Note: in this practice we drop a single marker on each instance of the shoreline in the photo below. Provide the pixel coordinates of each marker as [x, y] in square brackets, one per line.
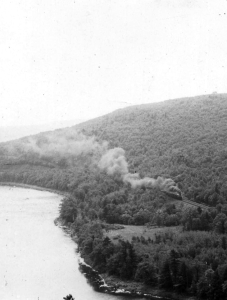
[104, 283]
[142, 290]
[114, 286]
[33, 187]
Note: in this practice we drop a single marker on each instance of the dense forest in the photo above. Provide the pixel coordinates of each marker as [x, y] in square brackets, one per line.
[184, 140]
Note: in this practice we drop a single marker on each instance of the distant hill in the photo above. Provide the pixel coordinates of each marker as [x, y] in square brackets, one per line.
[9, 133]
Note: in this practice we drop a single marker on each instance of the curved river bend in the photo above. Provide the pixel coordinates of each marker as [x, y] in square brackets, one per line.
[37, 259]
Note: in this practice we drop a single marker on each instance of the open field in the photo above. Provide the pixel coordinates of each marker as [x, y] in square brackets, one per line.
[129, 231]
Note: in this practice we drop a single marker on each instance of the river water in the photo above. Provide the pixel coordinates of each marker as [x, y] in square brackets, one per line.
[37, 259]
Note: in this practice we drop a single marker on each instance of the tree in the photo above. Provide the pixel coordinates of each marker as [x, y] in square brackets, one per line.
[224, 289]
[174, 263]
[202, 288]
[188, 216]
[206, 220]
[68, 209]
[123, 262]
[165, 279]
[219, 223]
[184, 276]
[223, 242]
[68, 297]
[215, 290]
[130, 261]
[145, 272]
[103, 249]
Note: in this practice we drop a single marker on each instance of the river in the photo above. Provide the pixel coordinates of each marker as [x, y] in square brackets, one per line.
[37, 259]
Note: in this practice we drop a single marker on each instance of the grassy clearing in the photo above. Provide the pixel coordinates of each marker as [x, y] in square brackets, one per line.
[129, 231]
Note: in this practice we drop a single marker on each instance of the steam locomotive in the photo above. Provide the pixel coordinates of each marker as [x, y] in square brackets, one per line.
[172, 192]
[175, 193]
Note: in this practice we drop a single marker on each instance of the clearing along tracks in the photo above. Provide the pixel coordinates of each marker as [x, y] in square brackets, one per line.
[203, 206]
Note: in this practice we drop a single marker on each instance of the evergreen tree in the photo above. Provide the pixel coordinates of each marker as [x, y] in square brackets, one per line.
[202, 288]
[129, 262]
[145, 272]
[165, 279]
[223, 242]
[174, 263]
[184, 276]
[219, 223]
[68, 209]
[215, 289]
[224, 276]
[224, 289]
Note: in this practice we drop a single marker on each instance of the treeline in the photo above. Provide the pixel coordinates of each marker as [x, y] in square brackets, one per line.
[107, 198]
[191, 262]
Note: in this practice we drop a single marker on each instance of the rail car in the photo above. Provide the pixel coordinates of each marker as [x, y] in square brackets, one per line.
[173, 193]
[176, 194]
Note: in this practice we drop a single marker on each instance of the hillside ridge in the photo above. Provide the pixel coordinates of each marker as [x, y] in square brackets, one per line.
[184, 139]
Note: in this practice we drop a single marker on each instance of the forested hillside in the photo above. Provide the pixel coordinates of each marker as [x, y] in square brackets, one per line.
[183, 139]
[107, 165]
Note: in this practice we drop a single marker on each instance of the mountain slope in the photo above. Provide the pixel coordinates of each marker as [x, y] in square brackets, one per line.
[184, 139]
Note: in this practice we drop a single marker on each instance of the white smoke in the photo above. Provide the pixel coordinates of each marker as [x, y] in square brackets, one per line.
[61, 143]
[75, 143]
[114, 162]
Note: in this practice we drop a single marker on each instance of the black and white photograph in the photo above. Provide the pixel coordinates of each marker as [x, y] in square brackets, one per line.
[113, 150]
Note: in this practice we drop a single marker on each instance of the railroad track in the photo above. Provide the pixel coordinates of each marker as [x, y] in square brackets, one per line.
[182, 197]
[196, 204]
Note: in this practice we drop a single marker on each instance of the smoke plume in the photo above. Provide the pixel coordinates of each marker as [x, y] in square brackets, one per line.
[114, 162]
[61, 143]
[73, 142]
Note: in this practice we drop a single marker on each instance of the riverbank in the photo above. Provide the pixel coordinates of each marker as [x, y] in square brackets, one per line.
[104, 283]
[33, 187]
[143, 290]
[112, 285]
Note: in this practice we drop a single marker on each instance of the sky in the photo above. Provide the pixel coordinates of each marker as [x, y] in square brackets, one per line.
[64, 60]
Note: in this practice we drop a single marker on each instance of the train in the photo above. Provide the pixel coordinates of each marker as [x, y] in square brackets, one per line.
[175, 193]
[172, 192]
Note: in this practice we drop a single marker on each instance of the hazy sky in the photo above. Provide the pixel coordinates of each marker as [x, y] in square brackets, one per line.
[70, 59]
